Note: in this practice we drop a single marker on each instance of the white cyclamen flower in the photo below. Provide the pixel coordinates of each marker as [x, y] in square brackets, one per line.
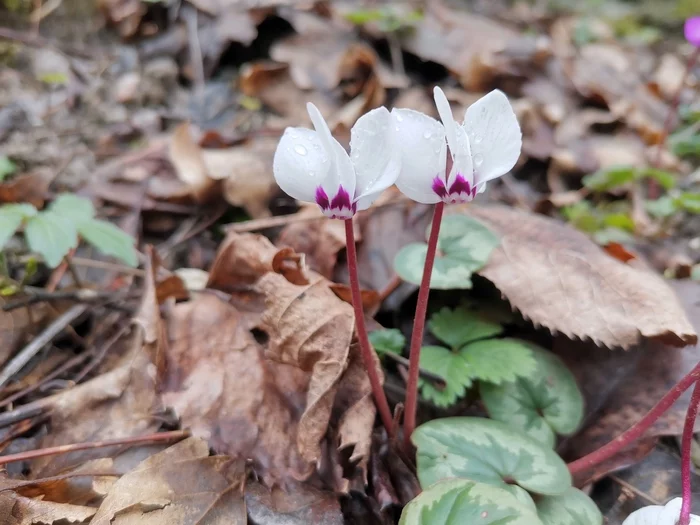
[658, 515]
[487, 145]
[312, 166]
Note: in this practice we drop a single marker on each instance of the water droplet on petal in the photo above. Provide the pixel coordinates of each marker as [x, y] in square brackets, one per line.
[397, 128]
[478, 159]
[301, 150]
[399, 117]
[427, 134]
[478, 139]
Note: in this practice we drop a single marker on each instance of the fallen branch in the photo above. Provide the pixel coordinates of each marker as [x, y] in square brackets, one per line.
[175, 435]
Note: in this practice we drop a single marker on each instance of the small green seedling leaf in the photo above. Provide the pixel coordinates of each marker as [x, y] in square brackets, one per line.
[70, 206]
[460, 326]
[7, 167]
[607, 235]
[499, 360]
[666, 179]
[689, 201]
[461, 501]
[542, 404]
[389, 340]
[487, 451]
[50, 235]
[451, 367]
[610, 178]
[11, 218]
[664, 206]
[572, 507]
[110, 240]
[464, 246]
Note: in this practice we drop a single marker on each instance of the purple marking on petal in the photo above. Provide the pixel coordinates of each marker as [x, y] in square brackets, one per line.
[461, 185]
[439, 187]
[692, 30]
[341, 199]
[322, 198]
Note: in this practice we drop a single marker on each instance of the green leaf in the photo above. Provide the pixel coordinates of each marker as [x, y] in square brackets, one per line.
[11, 217]
[451, 367]
[582, 216]
[620, 221]
[7, 167]
[50, 235]
[462, 501]
[686, 146]
[390, 340]
[608, 235]
[542, 404]
[465, 245]
[610, 178]
[460, 326]
[110, 240]
[572, 507]
[363, 16]
[70, 206]
[690, 202]
[499, 360]
[666, 179]
[487, 451]
[664, 206]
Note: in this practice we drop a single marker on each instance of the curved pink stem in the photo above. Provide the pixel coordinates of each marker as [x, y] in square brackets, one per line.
[409, 420]
[365, 346]
[686, 444]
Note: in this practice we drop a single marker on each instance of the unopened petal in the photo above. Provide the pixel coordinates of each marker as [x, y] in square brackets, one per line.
[494, 136]
[341, 172]
[301, 164]
[456, 137]
[374, 157]
[420, 140]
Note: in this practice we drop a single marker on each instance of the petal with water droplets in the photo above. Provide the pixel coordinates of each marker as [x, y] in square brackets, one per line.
[301, 163]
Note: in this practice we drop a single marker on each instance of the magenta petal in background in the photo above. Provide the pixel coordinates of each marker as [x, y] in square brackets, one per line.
[692, 30]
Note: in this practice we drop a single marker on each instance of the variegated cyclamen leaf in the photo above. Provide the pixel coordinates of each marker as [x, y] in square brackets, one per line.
[571, 508]
[464, 246]
[487, 451]
[543, 404]
[462, 501]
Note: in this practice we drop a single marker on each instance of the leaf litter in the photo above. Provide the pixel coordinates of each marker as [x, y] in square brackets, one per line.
[261, 363]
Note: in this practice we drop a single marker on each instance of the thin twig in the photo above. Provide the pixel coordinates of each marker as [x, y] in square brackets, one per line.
[29, 351]
[34, 409]
[175, 435]
[39, 41]
[83, 295]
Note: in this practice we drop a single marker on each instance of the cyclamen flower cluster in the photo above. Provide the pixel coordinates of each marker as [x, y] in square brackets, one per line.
[404, 147]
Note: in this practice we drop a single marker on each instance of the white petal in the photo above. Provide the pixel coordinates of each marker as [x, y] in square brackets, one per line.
[420, 140]
[494, 136]
[301, 163]
[376, 160]
[455, 136]
[341, 172]
[658, 515]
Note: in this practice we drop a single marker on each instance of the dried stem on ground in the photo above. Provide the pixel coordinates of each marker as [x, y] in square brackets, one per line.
[409, 420]
[365, 347]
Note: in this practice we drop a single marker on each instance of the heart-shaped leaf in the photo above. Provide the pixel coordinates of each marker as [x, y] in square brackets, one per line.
[572, 507]
[464, 246]
[50, 235]
[109, 239]
[451, 367]
[460, 326]
[487, 451]
[11, 217]
[460, 501]
[542, 404]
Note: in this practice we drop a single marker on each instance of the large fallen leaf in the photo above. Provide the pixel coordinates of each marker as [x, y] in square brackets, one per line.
[179, 486]
[300, 504]
[223, 389]
[18, 510]
[558, 278]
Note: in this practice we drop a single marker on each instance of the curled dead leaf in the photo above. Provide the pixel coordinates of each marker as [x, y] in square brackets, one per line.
[19, 510]
[558, 278]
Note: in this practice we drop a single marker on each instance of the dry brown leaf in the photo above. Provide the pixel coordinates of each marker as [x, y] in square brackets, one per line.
[14, 326]
[19, 510]
[223, 389]
[28, 187]
[179, 486]
[558, 278]
[187, 159]
[298, 505]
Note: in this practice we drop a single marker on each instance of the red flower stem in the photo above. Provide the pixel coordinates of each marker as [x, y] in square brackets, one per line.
[686, 444]
[409, 418]
[628, 437]
[365, 347]
[672, 111]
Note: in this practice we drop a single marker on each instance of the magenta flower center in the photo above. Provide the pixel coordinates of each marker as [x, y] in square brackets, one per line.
[460, 190]
[340, 207]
